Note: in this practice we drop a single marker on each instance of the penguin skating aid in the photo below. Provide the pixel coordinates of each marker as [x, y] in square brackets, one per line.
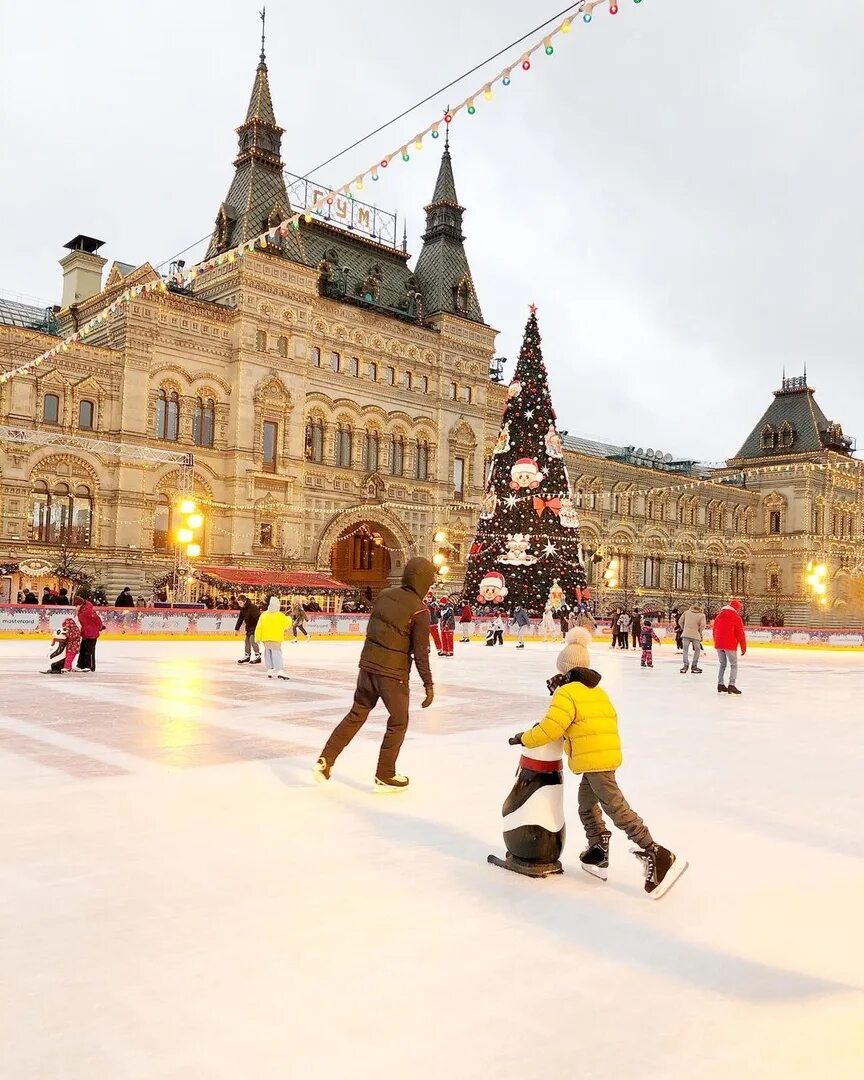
[534, 827]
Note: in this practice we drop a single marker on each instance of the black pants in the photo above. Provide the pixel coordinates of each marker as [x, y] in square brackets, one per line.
[87, 654]
[634, 634]
[299, 628]
[370, 688]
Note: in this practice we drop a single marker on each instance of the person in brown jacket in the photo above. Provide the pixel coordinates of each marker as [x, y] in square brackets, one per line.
[397, 632]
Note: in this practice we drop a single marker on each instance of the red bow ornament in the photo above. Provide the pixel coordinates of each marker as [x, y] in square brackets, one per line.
[547, 504]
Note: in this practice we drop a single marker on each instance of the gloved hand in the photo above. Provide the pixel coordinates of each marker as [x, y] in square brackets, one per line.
[515, 740]
[430, 697]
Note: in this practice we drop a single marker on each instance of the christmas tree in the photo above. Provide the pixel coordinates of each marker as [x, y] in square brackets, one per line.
[526, 552]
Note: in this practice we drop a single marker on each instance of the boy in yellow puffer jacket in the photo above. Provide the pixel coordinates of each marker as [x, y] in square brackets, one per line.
[582, 714]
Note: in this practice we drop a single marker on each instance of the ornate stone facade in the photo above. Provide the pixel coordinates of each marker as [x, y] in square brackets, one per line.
[339, 410]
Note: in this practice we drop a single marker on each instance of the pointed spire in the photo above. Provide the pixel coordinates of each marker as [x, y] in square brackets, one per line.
[405, 236]
[442, 268]
[257, 199]
[262, 15]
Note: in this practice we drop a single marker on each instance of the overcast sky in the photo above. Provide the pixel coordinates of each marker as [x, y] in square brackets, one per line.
[678, 188]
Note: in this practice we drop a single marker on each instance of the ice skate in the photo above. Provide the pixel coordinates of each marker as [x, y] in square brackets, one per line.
[732, 689]
[685, 669]
[394, 783]
[245, 660]
[661, 868]
[257, 660]
[321, 770]
[696, 670]
[282, 676]
[721, 689]
[595, 859]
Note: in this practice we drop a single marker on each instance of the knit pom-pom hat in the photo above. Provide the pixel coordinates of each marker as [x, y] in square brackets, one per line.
[575, 652]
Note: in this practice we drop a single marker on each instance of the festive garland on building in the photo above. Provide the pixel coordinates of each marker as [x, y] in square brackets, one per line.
[373, 172]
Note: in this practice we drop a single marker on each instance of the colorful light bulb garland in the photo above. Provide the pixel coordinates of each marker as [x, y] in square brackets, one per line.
[293, 222]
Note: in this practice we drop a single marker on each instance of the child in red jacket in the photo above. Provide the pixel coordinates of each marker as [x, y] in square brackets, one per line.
[91, 627]
[728, 637]
[65, 644]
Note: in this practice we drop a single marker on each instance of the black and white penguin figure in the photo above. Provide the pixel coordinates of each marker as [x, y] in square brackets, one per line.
[534, 828]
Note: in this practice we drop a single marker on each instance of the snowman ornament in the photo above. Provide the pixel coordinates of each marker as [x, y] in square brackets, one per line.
[517, 553]
[525, 475]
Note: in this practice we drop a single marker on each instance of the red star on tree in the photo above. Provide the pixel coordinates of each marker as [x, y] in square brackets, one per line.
[532, 308]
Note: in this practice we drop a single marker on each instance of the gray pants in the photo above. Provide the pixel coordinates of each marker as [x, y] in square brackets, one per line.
[730, 657]
[602, 788]
[251, 644]
[273, 655]
[686, 642]
[521, 631]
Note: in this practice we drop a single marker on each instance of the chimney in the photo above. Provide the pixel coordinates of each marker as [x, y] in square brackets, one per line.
[82, 270]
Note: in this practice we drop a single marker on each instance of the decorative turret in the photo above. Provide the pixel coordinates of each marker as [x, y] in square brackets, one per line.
[442, 268]
[793, 424]
[257, 199]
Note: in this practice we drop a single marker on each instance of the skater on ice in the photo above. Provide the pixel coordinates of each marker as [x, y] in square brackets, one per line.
[729, 636]
[522, 623]
[396, 634]
[65, 644]
[447, 620]
[466, 618]
[270, 632]
[647, 638]
[692, 627]
[582, 715]
[248, 617]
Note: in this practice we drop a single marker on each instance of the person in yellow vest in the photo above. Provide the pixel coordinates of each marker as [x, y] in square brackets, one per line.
[582, 714]
[270, 631]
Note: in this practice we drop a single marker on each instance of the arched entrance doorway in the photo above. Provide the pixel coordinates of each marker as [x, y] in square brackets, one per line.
[361, 557]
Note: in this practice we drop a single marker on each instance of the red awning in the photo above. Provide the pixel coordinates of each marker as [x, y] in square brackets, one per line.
[304, 581]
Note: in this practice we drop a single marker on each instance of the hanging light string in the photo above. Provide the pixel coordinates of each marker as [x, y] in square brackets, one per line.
[373, 172]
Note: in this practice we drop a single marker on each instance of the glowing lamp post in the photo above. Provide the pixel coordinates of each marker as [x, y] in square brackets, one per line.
[441, 557]
[188, 546]
[817, 574]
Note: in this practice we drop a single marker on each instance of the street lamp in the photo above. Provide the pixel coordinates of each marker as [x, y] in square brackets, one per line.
[816, 580]
[188, 546]
[441, 558]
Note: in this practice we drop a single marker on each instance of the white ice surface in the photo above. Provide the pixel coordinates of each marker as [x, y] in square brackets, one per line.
[198, 921]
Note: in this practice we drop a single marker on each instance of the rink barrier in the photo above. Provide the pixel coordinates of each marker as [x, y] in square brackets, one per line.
[35, 621]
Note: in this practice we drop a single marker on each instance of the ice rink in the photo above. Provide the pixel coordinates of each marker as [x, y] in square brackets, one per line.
[179, 900]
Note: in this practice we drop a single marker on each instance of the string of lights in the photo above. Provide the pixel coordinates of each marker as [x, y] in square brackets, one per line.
[185, 276]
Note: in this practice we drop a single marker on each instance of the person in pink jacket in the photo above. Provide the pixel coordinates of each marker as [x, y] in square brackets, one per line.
[729, 636]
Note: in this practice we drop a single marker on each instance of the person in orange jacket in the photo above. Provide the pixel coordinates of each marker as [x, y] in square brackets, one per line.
[729, 636]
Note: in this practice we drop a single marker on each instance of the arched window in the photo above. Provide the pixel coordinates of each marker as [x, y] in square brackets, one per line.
[373, 372]
[467, 395]
[39, 504]
[421, 461]
[406, 380]
[787, 434]
[59, 513]
[282, 345]
[82, 517]
[738, 579]
[682, 574]
[371, 447]
[168, 416]
[315, 356]
[204, 422]
[711, 572]
[51, 409]
[344, 446]
[769, 437]
[651, 572]
[86, 415]
[162, 524]
[315, 440]
[334, 361]
[397, 455]
[260, 341]
[423, 386]
[354, 366]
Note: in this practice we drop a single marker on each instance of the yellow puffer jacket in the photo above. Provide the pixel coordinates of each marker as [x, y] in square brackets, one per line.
[272, 626]
[586, 719]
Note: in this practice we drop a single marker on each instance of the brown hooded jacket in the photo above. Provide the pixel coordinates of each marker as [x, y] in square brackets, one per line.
[399, 627]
